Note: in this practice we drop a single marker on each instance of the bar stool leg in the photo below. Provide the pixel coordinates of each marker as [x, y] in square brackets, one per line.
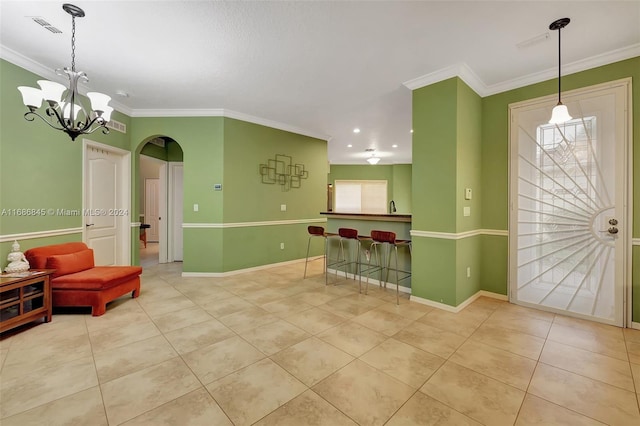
[307, 259]
[397, 278]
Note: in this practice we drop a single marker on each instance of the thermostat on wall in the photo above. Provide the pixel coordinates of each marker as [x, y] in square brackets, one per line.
[217, 187]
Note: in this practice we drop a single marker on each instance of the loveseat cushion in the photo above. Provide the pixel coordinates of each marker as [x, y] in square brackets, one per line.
[96, 278]
[71, 263]
[38, 256]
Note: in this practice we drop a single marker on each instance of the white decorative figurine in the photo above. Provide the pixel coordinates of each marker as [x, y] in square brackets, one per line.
[17, 261]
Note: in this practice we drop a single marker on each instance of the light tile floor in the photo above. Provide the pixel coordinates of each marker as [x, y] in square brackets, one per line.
[270, 348]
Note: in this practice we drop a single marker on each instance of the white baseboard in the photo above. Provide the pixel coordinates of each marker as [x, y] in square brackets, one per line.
[635, 325]
[242, 271]
[372, 281]
[456, 309]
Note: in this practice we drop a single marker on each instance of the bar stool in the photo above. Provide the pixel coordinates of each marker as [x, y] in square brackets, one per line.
[314, 232]
[347, 234]
[381, 238]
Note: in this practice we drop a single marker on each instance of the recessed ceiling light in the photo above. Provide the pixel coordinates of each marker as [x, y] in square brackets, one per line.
[349, 146]
[394, 146]
[356, 130]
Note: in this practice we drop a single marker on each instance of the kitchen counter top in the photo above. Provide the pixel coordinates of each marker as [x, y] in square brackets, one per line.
[394, 217]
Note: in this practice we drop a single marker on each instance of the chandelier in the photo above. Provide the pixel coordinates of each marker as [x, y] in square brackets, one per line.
[372, 159]
[66, 112]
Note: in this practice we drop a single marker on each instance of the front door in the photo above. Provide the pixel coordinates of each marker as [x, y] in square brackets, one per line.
[106, 204]
[569, 225]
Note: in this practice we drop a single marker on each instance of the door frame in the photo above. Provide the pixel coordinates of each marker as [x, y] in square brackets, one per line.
[124, 223]
[170, 206]
[627, 203]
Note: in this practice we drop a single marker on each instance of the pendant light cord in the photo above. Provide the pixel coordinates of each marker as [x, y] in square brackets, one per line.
[559, 65]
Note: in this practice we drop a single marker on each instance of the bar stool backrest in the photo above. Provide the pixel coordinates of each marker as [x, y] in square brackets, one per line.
[383, 236]
[316, 230]
[348, 233]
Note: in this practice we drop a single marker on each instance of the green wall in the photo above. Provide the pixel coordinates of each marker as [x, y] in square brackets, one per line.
[247, 199]
[225, 151]
[398, 177]
[447, 146]
[434, 156]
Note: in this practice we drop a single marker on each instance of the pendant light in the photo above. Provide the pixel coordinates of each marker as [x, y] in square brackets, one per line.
[560, 113]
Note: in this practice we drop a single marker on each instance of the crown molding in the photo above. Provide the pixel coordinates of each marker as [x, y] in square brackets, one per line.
[461, 70]
[572, 68]
[466, 74]
[227, 113]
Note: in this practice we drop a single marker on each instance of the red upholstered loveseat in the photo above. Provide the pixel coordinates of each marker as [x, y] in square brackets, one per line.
[78, 282]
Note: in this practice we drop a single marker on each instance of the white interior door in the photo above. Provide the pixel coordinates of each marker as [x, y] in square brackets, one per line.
[175, 211]
[106, 203]
[569, 223]
[152, 208]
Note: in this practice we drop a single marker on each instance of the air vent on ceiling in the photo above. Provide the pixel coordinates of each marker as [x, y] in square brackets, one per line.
[54, 30]
[532, 41]
[117, 126]
[43, 23]
[157, 141]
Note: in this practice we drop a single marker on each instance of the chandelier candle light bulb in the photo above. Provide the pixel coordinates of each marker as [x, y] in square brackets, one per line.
[64, 103]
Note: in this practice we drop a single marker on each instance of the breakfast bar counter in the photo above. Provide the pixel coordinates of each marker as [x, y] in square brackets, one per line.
[365, 223]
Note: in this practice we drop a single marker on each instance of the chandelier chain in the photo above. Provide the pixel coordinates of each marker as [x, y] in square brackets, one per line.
[73, 43]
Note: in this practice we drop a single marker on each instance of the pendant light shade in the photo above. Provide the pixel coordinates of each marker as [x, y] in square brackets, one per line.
[560, 113]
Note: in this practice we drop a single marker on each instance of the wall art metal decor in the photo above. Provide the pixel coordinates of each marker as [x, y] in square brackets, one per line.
[282, 171]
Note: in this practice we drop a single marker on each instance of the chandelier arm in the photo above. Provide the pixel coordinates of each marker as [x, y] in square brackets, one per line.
[29, 117]
[85, 127]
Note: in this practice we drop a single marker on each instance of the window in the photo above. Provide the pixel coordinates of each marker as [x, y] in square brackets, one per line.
[361, 196]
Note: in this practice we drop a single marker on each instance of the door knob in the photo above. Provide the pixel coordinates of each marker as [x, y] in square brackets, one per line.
[613, 222]
[89, 224]
[613, 230]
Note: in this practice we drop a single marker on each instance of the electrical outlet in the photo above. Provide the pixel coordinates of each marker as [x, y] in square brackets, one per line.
[281, 246]
[466, 211]
[196, 207]
[283, 207]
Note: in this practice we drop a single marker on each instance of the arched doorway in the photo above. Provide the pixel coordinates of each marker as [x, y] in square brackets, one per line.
[160, 169]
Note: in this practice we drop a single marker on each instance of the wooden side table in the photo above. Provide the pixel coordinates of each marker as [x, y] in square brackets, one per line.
[25, 297]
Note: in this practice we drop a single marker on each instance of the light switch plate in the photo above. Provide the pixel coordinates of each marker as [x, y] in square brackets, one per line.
[466, 211]
[196, 207]
[467, 193]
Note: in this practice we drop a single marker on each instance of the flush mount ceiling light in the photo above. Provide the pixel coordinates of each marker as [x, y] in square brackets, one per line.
[560, 113]
[373, 159]
[356, 130]
[62, 112]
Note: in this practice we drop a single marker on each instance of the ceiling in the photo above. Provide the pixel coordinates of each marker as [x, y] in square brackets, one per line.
[318, 68]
